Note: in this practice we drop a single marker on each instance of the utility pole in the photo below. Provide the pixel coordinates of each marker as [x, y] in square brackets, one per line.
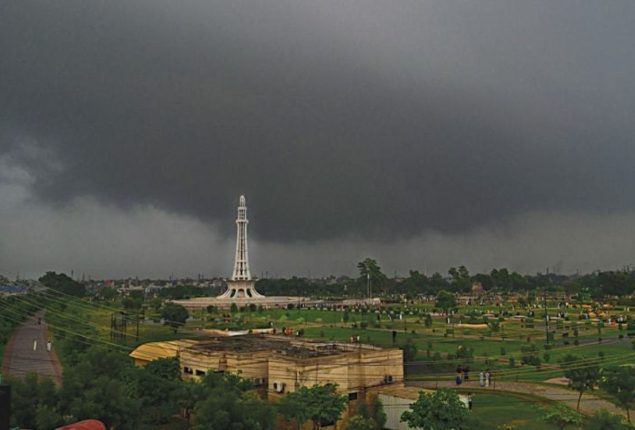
[369, 290]
[544, 301]
[137, 334]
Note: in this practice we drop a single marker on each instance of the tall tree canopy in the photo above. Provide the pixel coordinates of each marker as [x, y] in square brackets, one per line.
[174, 315]
[446, 301]
[63, 284]
[582, 377]
[321, 404]
[619, 382]
[441, 410]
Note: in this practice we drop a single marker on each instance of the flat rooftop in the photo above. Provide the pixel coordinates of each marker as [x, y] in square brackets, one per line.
[283, 345]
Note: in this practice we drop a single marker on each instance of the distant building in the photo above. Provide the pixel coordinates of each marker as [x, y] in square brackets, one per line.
[12, 289]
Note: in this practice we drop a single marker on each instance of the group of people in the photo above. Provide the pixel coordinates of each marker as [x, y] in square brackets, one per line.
[49, 345]
[485, 378]
[463, 374]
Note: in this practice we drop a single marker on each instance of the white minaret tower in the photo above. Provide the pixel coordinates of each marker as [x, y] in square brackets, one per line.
[241, 286]
[241, 261]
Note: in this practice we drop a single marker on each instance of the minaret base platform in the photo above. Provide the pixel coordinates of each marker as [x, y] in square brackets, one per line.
[241, 290]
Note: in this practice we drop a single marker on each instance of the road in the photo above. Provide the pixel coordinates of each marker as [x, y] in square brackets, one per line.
[20, 357]
[588, 406]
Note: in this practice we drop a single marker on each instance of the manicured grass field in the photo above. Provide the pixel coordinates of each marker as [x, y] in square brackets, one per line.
[510, 412]
[490, 349]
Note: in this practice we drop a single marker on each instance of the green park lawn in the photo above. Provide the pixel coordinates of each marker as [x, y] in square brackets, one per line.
[489, 349]
[486, 345]
[507, 411]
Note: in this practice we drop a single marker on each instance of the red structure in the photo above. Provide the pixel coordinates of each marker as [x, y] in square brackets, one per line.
[84, 425]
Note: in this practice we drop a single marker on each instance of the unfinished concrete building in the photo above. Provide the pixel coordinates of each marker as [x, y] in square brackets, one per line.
[282, 365]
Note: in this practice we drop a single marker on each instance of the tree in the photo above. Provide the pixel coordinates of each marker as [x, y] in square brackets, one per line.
[47, 417]
[293, 406]
[108, 293]
[428, 321]
[157, 386]
[132, 303]
[166, 368]
[35, 403]
[188, 395]
[619, 382]
[320, 403]
[370, 415]
[230, 410]
[604, 420]
[409, 350]
[529, 355]
[461, 280]
[156, 304]
[102, 386]
[377, 412]
[441, 410]
[63, 283]
[562, 416]
[174, 315]
[370, 270]
[581, 377]
[358, 422]
[446, 301]
[225, 403]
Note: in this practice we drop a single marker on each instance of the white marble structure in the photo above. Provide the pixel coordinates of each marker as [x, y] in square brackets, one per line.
[241, 289]
[241, 285]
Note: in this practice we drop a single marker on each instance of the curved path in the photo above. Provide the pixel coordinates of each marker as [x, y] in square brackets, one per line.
[21, 358]
[588, 406]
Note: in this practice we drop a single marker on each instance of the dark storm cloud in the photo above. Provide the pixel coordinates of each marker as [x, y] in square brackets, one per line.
[378, 119]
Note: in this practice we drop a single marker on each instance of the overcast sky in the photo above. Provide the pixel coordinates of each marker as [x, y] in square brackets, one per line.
[425, 134]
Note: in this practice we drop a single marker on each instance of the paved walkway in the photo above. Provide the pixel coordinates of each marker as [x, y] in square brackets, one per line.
[588, 406]
[21, 358]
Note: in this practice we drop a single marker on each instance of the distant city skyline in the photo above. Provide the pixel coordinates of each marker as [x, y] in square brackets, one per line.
[422, 134]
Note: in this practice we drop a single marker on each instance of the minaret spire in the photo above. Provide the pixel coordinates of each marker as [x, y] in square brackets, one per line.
[241, 260]
[241, 287]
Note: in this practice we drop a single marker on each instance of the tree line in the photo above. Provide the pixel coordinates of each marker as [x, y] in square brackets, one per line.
[372, 280]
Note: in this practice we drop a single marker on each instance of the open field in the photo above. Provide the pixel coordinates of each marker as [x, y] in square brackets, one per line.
[440, 347]
[439, 344]
[510, 411]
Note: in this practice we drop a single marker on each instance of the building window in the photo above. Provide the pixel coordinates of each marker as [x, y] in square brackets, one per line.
[352, 396]
[259, 382]
[200, 372]
[187, 370]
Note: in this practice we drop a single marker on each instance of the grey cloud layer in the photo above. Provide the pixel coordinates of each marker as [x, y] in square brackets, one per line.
[362, 119]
